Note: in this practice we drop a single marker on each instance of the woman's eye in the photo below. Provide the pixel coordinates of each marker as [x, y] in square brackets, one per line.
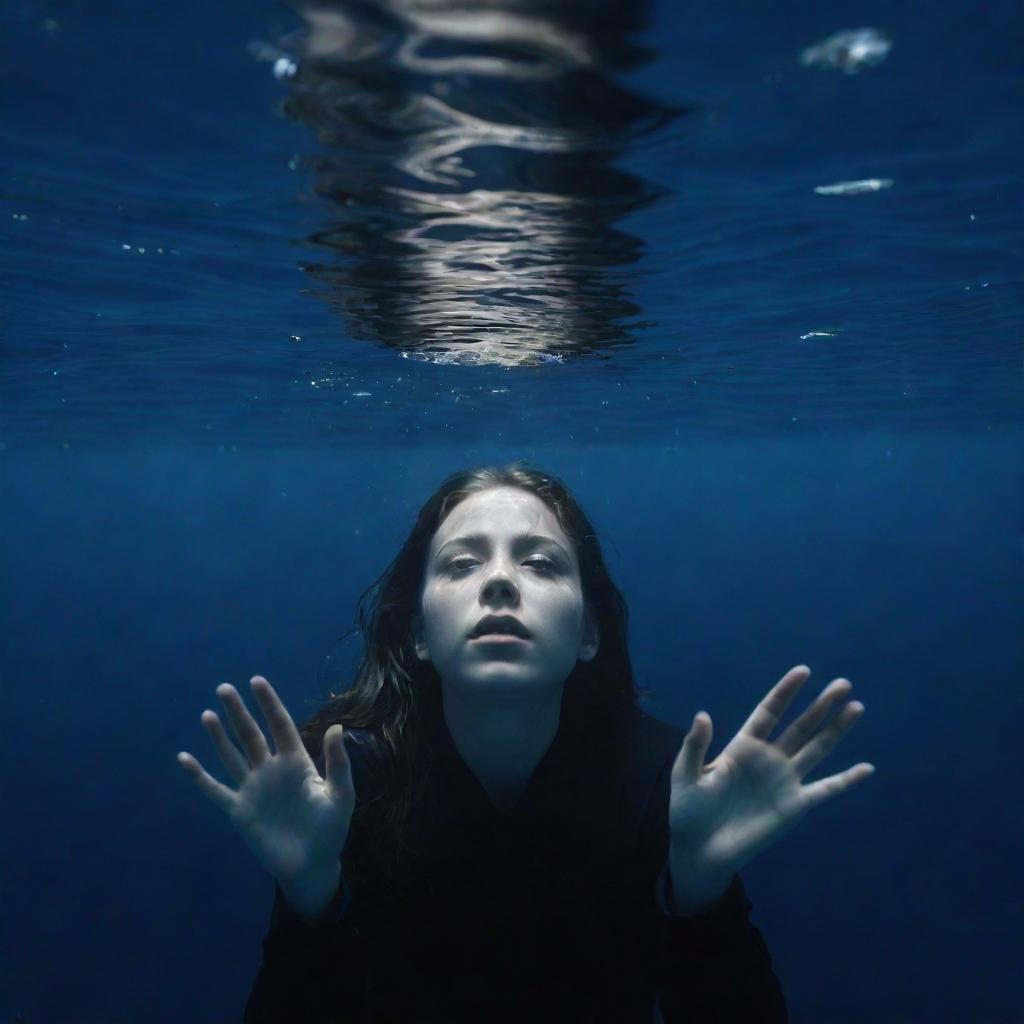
[543, 563]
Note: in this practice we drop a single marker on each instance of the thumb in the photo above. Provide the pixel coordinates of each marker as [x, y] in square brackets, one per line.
[689, 763]
[337, 767]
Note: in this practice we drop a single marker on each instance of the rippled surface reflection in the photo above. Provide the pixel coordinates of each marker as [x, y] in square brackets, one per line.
[829, 251]
[470, 154]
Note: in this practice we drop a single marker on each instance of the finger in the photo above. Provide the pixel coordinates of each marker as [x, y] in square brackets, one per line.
[286, 737]
[252, 741]
[230, 756]
[814, 752]
[801, 731]
[768, 713]
[825, 789]
[337, 767]
[689, 763]
[218, 793]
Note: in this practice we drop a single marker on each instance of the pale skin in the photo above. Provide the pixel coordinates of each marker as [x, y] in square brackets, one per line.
[293, 820]
[721, 815]
[503, 552]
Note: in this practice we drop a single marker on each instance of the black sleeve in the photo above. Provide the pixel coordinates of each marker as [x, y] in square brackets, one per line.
[716, 967]
[713, 967]
[312, 971]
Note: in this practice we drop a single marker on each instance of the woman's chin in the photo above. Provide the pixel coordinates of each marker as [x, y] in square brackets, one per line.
[502, 674]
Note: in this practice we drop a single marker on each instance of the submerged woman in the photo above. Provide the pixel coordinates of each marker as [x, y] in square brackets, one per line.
[486, 827]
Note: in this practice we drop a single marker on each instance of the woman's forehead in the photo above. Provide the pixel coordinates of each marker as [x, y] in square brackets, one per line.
[501, 513]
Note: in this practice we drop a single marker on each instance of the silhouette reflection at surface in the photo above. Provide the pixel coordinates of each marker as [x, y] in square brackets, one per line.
[469, 150]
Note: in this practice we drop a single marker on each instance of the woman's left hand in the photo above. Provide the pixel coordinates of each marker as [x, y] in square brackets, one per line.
[723, 814]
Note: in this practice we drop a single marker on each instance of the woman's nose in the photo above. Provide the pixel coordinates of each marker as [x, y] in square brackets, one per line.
[499, 581]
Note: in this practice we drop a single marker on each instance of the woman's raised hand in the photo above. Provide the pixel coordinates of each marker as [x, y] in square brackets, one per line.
[294, 821]
[724, 813]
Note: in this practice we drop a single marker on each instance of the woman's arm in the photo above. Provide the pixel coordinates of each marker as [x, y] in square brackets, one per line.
[716, 966]
[294, 814]
[721, 815]
[313, 969]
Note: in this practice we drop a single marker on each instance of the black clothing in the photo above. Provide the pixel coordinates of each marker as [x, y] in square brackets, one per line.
[543, 912]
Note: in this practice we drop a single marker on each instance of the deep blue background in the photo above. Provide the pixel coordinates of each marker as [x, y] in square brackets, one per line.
[854, 505]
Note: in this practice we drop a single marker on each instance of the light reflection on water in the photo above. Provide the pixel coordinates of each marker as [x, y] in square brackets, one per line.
[491, 203]
[470, 157]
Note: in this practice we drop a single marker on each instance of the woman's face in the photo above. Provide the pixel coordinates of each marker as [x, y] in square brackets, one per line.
[501, 552]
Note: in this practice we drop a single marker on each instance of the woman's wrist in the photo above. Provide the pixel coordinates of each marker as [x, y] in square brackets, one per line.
[310, 895]
[694, 886]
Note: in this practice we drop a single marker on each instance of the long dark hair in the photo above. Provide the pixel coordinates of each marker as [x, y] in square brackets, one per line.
[392, 686]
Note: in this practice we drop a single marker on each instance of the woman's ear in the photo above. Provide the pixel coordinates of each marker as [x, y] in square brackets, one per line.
[591, 636]
[419, 639]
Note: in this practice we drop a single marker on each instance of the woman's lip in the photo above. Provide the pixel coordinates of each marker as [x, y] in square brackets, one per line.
[498, 638]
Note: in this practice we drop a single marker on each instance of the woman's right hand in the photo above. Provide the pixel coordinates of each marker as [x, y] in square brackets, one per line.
[294, 821]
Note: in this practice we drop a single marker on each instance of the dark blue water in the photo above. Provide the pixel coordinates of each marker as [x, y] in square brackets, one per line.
[249, 323]
[173, 242]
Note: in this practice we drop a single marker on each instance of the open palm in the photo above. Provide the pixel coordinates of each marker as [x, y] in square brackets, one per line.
[723, 814]
[287, 816]
[294, 821]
